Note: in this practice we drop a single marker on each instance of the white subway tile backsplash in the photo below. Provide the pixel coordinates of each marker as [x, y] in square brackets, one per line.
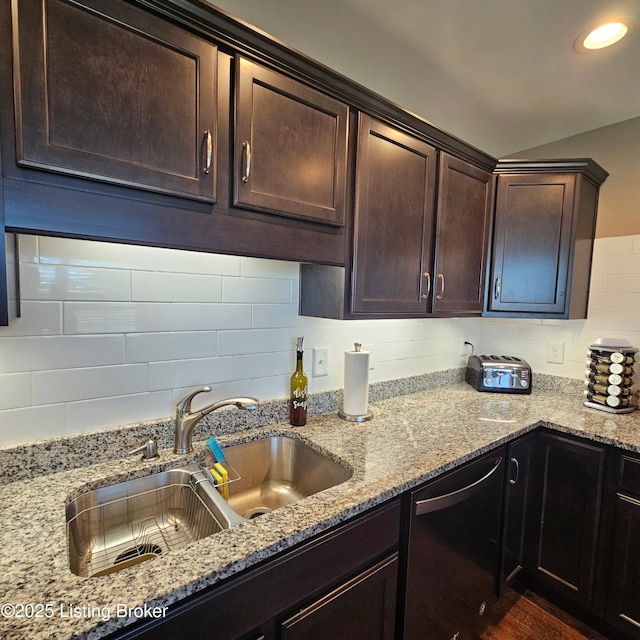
[623, 283]
[267, 316]
[178, 374]
[89, 415]
[114, 317]
[59, 352]
[262, 365]
[272, 387]
[255, 341]
[616, 264]
[15, 391]
[151, 286]
[181, 320]
[605, 301]
[28, 249]
[69, 385]
[209, 317]
[32, 423]
[45, 282]
[36, 319]
[156, 347]
[614, 246]
[120, 256]
[256, 290]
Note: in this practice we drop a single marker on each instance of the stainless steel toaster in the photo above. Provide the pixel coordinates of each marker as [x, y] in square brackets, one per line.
[500, 374]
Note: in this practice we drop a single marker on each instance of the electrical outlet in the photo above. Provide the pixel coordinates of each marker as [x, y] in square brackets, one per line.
[320, 362]
[466, 348]
[555, 352]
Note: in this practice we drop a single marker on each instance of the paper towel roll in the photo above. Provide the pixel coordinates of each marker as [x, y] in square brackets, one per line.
[356, 385]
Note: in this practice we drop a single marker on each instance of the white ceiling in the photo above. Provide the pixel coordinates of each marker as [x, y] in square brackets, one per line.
[501, 74]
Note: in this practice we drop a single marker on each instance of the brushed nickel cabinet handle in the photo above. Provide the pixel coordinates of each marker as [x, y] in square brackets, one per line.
[427, 275]
[496, 288]
[246, 152]
[208, 156]
[441, 294]
[516, 464]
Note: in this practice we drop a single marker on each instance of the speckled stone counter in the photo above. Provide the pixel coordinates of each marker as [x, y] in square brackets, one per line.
[411, 439]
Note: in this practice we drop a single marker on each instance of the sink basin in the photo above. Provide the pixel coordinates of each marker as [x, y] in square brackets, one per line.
[276, 471]
[115, 527]
[118, 526]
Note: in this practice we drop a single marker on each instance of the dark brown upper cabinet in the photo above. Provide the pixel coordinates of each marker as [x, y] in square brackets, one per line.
[543, 238]
[413, 254]
[393, 224]
[463, 219]
[290, 147]
[107, 92]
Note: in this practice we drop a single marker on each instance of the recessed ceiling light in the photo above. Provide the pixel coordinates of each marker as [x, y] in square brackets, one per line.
[604, 35]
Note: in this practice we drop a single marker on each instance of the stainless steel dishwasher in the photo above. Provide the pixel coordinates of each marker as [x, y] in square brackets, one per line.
[453, 552]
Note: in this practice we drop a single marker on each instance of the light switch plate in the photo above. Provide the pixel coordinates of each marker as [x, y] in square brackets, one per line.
[320, 362]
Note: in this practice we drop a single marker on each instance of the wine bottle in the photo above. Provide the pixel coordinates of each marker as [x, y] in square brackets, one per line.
[298, 401]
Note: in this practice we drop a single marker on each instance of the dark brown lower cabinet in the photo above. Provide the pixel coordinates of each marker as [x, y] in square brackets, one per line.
[623, 609]
[339, 585]
[623, 595]
[517, 499]
[562, 549]
[363, 607]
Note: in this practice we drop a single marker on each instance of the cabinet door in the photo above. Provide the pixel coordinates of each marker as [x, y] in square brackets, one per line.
[462, 236]
[290, 147]
[532, 243]
[361, 609]
[623, 608]
[393, 227]
[567, 515]
[132, 101]
[519, 456]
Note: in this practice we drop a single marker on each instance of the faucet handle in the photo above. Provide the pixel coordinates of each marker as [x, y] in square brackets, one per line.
[149, 450]
[184, 406]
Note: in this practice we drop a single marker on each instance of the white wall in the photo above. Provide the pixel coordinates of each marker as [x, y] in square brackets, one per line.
[113, 334]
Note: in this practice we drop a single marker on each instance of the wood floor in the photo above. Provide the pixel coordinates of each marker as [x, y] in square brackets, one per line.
[528, 617]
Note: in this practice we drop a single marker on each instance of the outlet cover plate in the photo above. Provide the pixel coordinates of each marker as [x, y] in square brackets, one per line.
[555, 352]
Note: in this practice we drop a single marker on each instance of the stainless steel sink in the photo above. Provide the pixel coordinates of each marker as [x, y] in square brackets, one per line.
[115, 527]
[118, 526]
[276, 471]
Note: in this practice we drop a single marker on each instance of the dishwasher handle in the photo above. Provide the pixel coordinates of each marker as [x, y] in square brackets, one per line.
[449, 499]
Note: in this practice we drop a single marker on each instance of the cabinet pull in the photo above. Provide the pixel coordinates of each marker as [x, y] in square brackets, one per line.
[441, 294]
[448, 500]
[496, 289]
[516, 464]
[208, 155]
[427, 275]
[246, 152]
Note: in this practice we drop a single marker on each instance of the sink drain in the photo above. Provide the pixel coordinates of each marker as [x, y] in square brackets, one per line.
[137, 552]
[256, 511]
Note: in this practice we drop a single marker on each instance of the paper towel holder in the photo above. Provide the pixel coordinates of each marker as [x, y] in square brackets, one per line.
[356, 418]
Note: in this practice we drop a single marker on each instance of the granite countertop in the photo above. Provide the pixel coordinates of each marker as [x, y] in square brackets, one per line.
[411, 439]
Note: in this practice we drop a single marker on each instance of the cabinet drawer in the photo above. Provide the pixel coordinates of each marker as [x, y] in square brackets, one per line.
[629, 476]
